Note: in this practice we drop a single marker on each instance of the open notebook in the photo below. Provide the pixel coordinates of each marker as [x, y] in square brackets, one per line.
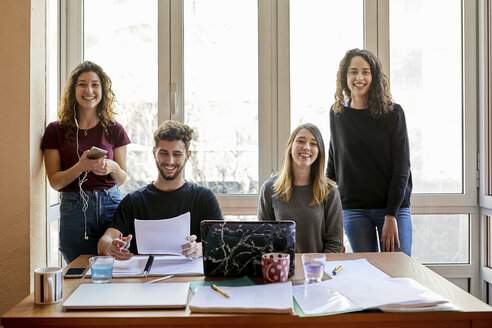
[162, 265]
[359, 285]
[267, 298]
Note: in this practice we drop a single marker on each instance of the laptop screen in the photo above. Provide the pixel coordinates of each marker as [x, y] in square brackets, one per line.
[234, 248]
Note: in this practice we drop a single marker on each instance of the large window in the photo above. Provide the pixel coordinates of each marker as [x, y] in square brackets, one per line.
[244, 73]
[426, 63]
[317, 45]
[124, 44]
[221, 93]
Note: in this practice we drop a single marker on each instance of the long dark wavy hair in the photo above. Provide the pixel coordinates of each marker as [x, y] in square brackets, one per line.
[105, 109]
[380, 100]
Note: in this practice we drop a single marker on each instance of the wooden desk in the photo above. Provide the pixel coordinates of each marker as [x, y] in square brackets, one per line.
[475, 313]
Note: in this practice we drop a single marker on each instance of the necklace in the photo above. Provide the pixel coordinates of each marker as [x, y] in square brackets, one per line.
[85, 133]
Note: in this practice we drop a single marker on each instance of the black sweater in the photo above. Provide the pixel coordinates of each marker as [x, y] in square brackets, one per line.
[369, 158]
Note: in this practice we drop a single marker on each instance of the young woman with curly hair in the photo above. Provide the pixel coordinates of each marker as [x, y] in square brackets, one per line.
[369, 157]
[301, 192]
[88, 187]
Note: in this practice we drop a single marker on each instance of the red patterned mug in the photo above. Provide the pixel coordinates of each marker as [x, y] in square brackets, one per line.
[275, 267]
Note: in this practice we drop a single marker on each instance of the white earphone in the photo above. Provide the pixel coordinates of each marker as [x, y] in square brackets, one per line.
[83, 195]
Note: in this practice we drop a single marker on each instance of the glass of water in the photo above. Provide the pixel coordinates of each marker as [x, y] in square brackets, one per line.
[314, 266]
[101, 269]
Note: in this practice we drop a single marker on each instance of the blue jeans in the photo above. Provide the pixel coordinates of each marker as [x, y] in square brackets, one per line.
[361, 225]
[102, 205]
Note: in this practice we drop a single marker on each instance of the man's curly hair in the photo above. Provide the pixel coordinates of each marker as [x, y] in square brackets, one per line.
[174, 130]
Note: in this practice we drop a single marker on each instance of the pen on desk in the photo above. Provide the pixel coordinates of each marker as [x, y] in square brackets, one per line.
[336, 270]
[218, 290]
[148, 265]
[160, 279]
[121, 238]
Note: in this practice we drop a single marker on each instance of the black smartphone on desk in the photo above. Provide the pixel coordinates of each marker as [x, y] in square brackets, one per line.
[74, 273]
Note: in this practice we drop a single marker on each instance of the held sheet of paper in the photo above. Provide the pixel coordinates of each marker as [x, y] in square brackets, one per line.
[164, 236]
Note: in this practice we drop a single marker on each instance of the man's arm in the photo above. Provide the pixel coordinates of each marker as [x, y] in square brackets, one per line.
[110, 244]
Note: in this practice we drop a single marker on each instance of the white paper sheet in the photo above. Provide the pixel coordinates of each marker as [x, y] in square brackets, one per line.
[354, 268]
[161, 266]
[176, 265]
[321, 299]
[164, 236]
[128, 296]
[276, 297]
[353, 294]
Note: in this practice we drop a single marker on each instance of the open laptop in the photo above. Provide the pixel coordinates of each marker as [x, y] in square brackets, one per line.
[234, 248]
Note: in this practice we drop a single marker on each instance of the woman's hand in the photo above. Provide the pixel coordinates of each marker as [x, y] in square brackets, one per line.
[389, 235]
[108, 166]
[92, 165]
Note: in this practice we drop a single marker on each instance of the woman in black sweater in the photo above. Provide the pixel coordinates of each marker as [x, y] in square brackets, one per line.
[369, 157]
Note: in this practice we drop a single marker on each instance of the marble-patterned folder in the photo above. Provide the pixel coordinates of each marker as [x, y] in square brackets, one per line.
[234, 248]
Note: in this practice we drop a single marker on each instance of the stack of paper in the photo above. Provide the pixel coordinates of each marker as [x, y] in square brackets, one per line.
[128, 296]
[162, 265]
[359, 286]
[268, 298]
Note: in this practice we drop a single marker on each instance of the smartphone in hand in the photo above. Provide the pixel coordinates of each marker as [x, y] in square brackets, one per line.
[96, 152]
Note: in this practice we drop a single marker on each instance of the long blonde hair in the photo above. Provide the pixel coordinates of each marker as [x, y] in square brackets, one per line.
[284, 184]
[105, 109]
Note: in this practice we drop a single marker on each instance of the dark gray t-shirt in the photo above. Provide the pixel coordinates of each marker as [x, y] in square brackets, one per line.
[319, 228]
[150, 203]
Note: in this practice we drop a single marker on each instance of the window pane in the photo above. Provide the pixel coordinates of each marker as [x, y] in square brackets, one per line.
[53, 240]
[124, 43]
[317, 44]
[240, 217]
[52, 74]
[426, 80]
[221, 93]
[441, 238]
[488, 240]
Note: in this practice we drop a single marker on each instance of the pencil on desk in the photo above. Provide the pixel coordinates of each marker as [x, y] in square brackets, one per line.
[160, 279]
[218, 290]
[336, 270]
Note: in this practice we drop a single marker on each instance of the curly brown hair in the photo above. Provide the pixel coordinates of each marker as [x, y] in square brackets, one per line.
[174, 130]
[105, 109]
[380, 99]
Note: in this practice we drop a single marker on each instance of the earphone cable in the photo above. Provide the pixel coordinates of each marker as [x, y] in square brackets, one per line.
[83, 195]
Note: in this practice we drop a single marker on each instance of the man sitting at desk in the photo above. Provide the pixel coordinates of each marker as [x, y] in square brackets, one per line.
[169, 196]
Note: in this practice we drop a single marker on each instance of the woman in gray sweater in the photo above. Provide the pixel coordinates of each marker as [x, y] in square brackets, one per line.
[301, 192]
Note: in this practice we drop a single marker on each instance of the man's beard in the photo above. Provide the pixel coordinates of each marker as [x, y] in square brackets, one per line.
[174, 176]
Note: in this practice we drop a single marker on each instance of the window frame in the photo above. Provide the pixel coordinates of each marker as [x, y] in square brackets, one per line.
[274, 100]
[485, 141]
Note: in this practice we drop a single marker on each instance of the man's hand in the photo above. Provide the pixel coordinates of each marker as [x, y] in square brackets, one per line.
[192, 249]
[390, 234]
[110, 244]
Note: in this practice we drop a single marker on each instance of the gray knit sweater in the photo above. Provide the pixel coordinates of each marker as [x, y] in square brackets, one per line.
[319, 228]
